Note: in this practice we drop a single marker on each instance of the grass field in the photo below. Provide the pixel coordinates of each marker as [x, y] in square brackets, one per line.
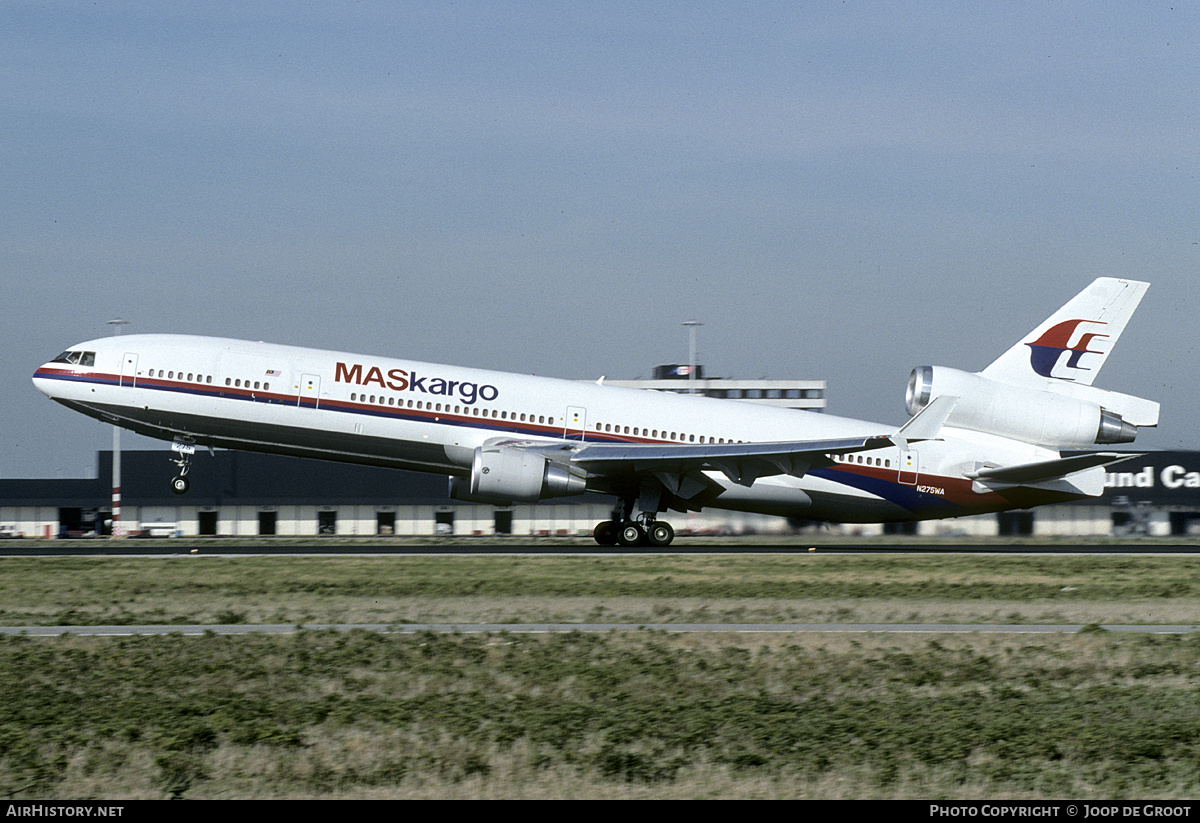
[626, 714]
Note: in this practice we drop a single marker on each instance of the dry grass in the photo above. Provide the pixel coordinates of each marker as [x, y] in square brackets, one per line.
[641, 715]
[621, 715]
[763, 588]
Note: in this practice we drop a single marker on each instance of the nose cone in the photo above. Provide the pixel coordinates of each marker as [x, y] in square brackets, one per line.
[43, 379]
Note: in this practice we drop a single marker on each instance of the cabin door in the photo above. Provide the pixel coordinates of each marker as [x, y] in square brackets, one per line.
[575, 424]
[129, 369]
[310, 390]
[908, 467]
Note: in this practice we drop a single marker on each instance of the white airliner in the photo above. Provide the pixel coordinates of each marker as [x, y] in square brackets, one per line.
[983, 442]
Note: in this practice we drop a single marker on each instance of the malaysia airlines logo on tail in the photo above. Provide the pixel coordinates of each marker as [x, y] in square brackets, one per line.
[1055, 349]
[1046, 352]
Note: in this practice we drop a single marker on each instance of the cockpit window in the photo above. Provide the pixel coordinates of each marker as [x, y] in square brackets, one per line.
[76, 358]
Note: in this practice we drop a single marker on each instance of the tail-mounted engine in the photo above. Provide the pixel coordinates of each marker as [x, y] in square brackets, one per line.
[1059, 416]
[503, 475]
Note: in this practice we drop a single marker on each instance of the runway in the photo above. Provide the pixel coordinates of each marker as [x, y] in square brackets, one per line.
[164, 547]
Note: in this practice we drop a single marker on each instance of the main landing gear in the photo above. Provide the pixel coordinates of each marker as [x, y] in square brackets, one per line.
[644, 530]
[632, 533]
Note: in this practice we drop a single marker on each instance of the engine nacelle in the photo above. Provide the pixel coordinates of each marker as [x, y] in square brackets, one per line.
[1073, 419]
[503, 475]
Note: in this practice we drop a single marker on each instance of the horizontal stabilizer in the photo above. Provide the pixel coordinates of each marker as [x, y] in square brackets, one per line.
[1049, 469]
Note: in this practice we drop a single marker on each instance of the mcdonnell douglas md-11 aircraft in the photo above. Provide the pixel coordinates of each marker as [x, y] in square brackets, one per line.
[982, 442]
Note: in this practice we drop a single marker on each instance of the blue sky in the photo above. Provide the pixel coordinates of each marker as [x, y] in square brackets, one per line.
[836, 190]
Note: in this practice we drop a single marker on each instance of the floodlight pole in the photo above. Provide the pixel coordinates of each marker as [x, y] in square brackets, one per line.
[691, 324]
[118, 530]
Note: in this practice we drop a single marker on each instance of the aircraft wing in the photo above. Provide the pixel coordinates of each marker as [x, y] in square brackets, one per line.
[680, 468]
[742, 463]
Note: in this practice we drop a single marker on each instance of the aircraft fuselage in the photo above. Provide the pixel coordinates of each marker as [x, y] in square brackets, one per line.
[433, 418]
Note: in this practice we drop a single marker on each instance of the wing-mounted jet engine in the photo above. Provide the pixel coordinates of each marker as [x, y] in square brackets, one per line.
[507, 473]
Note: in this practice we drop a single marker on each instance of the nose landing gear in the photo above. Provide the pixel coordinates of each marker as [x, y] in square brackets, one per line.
[185, 450]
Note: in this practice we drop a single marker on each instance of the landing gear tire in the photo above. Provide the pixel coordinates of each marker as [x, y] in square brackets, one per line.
[660, 534]
[605, 533]
[631, 534]
[180, 484]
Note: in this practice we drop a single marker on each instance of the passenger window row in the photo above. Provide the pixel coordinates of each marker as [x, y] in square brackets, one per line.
[245, 384]
[865, 461]
[470, 411]
[193, 377]
[664, 434]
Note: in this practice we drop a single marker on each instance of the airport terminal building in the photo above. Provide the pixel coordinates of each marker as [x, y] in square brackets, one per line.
[808, 395]
[247, 494]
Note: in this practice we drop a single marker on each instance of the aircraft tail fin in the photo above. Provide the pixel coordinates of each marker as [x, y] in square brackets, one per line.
[1073, 343]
